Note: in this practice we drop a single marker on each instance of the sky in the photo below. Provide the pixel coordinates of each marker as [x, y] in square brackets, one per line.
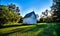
[27, 6]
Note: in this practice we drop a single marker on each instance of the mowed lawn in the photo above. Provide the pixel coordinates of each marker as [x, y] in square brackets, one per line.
[40, 29]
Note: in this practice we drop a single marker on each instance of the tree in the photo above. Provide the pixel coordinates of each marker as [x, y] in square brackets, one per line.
[7, 14]
[15, 10]
[42, 19]
[56, 10]
[21, 19]
[47, 16]
[45, 13]
[37, 16]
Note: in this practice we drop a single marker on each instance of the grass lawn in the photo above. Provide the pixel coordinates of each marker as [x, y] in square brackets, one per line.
[40, 29]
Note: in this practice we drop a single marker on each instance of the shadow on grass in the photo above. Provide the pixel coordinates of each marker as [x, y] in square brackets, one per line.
[50, 30]
[15, 25]
[46, 31]
[58, 29]
[22, 30]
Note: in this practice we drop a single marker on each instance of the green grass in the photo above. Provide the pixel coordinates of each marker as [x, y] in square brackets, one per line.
[41, 29]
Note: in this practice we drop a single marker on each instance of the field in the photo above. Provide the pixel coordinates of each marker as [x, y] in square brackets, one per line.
[40, 29]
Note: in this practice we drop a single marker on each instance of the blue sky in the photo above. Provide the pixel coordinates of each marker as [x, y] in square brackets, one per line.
[27, 6]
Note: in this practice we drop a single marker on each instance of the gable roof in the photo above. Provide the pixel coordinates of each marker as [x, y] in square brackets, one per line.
[29, 14]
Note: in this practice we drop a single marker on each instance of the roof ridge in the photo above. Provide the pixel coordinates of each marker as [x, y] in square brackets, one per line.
[29, 14]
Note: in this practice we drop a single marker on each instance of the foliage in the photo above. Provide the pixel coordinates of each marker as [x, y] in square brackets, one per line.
[46, 17]
[7, 15]
[56, 10]
[21, 19]
[15, 11]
